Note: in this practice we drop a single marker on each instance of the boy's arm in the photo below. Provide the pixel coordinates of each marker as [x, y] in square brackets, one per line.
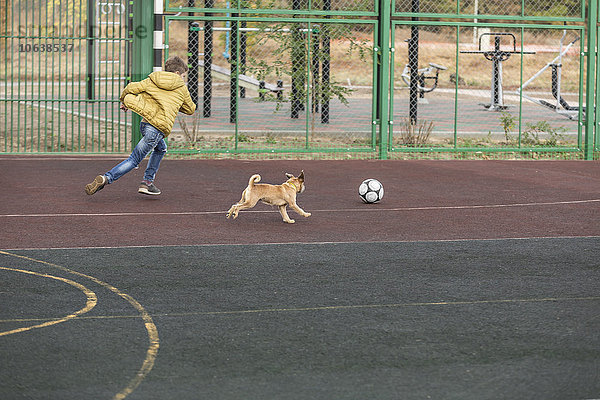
[134, 88]
[188, 107]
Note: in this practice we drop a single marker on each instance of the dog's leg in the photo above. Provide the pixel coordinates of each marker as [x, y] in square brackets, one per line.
[284, 214]
[299, 210]
[248, 203]
[233, 210]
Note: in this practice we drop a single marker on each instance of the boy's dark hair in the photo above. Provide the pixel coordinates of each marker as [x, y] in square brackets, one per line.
[176, 64]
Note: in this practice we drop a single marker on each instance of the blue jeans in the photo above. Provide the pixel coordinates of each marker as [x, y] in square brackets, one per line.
[152, 140]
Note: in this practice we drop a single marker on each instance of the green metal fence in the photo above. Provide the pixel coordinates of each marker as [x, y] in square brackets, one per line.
[321, 99]
[63, 66]
[316, 78]
[507, 88]
[291, 77]
[424, 78]
[590, 127]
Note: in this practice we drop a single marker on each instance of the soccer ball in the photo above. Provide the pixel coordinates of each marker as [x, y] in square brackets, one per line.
[370, 191]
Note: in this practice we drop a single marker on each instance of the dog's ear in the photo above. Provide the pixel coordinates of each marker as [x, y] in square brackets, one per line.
[289, 176]
[301, 176]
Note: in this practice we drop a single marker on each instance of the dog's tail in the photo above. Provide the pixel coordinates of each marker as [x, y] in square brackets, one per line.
[253, 179]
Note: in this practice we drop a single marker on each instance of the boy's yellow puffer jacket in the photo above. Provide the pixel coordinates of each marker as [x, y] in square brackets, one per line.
[158, 99]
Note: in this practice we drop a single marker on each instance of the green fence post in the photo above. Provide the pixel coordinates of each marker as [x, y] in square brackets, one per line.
[143, 53]
[596, 140]
[385, 14]
[590, 83]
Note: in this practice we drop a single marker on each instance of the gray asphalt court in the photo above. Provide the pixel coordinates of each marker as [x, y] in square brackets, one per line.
[467, 319]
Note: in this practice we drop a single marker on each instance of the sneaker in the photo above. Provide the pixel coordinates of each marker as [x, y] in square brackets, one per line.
[97, 184]
[148, 188]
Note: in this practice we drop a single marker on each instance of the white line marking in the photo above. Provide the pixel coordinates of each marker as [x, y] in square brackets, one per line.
[343, 210]
[302, 243]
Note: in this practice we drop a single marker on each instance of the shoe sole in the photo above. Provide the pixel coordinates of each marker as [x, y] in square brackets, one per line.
[98, 183]
[146, 191]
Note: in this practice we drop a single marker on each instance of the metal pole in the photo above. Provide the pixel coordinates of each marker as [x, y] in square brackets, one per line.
[91, 55]
[193, 54]
[590, 102]
[207, 76]
[496, 75]
[158, 35]
[243, 35]
[143, 22]
[475, 12]
[413, 65]
[234, 71]
[129, 45]
[326, 84]
[297, 66]
[316, 66]
[384, 81]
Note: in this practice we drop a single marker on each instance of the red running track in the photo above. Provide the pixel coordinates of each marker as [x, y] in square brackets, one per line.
[43, 204]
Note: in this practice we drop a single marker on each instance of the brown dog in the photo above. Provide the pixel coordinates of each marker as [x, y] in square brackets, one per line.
[276, 195]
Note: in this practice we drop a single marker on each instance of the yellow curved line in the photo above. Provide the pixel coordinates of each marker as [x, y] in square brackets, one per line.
[91, 302]
[153, 338]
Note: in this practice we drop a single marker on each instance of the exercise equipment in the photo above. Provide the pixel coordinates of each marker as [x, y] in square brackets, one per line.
[497, 56]
[560, 106]
[424, 75]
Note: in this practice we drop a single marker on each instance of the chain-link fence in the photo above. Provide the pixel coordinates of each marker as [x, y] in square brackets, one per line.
[493, 8]
[276, 86]
[274, 5]
[310, 84]
[473, 87]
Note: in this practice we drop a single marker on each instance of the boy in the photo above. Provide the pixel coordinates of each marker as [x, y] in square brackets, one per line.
[157, 99]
